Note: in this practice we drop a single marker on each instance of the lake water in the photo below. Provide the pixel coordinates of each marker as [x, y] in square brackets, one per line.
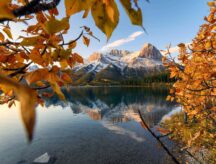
[96, 125]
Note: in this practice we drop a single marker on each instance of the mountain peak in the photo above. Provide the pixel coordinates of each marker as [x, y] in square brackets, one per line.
[119, 66]
[147, 45]
[150, 51]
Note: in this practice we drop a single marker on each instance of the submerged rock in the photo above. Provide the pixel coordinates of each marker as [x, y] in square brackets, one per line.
[45, 158]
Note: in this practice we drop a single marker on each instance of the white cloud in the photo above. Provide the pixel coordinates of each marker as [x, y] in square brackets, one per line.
[122, 41]
[136, 34]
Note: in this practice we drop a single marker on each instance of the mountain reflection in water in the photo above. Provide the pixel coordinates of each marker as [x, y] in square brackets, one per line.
[116, 104]
[94, 125]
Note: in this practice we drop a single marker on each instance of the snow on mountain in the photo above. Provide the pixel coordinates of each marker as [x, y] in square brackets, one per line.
[121, 63]
[149, 56]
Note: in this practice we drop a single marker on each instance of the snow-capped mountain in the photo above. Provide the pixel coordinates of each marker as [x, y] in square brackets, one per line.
[117, 66]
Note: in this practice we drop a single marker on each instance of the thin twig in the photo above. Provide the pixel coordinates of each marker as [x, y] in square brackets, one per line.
[73, 41]
[158, 139]
[161, 136]
[20, 70]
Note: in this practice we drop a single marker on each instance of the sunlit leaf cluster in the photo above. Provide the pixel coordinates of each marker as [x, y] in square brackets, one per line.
[195, 74]
[43, 43]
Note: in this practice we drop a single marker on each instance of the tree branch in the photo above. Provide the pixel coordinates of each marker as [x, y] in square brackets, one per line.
[158, 139]
[80, 35]
[20, 70]
[32, 7]
[41, 88]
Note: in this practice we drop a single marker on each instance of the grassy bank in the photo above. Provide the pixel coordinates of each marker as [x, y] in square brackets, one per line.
[201, 144]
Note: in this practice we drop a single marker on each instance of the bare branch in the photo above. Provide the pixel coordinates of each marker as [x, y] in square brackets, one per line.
[158, 139]
[32, 7]
[80, 35]
[41, 88]
[20, 70]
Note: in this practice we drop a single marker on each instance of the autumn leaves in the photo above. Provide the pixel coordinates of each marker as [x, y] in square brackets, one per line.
[195, 74]
[44, 45]
[27, 98]
[6, 10]
[105, 12]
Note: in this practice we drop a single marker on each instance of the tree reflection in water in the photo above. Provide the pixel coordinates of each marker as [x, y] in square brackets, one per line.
[117, 104]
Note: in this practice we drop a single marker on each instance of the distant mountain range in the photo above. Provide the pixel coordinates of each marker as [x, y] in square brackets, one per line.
[122, 67]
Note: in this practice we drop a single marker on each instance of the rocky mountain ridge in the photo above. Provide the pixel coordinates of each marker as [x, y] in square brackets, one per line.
[120, 66]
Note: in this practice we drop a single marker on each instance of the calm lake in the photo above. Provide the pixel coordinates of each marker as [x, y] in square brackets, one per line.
[95, 125]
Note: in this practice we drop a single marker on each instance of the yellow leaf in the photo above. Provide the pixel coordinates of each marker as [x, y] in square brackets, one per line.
[208, 45]
[212, 4]
[75, 6]
[27, 100]
[38, 75]
[72, 45]
[168, 98]
[40, 84]
[172, 99]
[54, 26]
[63, 64]
[36, 57]
[86, 41]
[5, 11]
[134, 15]
[31, 41]
[55, 55]
[1, 37]
[85, 15]
[64, 54]
[8, 32]
[57, 90]
[106, 16]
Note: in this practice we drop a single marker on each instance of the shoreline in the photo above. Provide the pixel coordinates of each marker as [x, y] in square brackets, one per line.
[194, 153]
[155, 85]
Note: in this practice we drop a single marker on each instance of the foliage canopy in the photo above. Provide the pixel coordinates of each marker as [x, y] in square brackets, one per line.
[195, 74]
[44, 45]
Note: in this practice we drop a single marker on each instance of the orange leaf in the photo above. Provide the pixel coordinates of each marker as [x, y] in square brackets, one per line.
[38, 75]
[8, 32]
[66, 77]
[77, 58]
[1, 37]
[86, 41]
[27, 99]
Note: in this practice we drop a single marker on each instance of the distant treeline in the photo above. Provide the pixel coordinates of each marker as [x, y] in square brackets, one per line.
[163, 77]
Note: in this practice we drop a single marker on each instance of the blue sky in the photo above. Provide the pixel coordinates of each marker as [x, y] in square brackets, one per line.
[167, 21]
